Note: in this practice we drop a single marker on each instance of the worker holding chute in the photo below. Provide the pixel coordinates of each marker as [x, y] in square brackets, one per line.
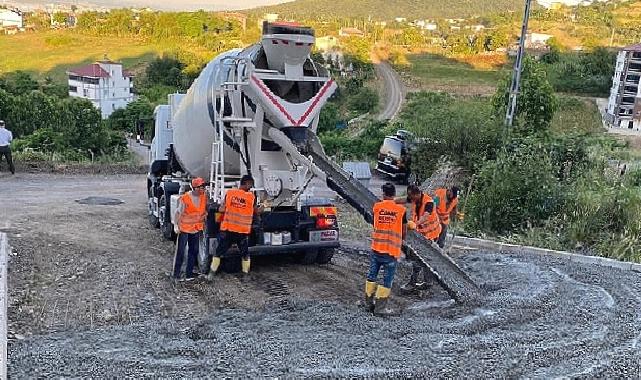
[390, 225]
[425, 221]
[446, 201]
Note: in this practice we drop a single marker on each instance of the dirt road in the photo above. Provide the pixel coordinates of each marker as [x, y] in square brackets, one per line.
[89, 297]
[394, 90]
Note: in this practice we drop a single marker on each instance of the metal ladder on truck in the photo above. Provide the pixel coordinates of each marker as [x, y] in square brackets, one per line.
[219, 181]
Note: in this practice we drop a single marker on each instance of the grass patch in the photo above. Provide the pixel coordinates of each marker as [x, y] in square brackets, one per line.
[577, 115]
[434, 71]
[51, 53]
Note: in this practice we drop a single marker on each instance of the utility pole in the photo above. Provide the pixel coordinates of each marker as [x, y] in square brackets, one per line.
[518, 66]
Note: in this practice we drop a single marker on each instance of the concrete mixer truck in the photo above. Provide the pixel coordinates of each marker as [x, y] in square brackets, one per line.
[255, 111]
[250, 112]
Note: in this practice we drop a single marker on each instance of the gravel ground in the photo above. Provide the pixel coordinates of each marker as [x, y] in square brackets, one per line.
[89, 298]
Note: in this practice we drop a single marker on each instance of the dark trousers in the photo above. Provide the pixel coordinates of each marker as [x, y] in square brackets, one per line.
[442, 236]
[186, 240]
[226, 239]
[378, 261]
[5, 151]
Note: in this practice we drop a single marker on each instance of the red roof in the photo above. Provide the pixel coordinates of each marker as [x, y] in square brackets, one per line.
[127, 74]
[94, 71]
[635, 47]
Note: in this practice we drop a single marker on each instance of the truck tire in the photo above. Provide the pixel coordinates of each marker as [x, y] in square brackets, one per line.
[325, 255]
[309, 257]
[165, 221]
[153, 221]
[231, 264]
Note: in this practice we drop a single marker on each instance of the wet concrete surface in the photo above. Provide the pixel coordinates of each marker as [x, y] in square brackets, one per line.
[89, 297]
[541, 318]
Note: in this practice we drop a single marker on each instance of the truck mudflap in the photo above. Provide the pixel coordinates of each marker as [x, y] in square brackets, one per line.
[449, 275]
[264, 250]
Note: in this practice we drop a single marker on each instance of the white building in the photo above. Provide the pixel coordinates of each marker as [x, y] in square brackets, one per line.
[553, 4]
[624, 103]
[11, 18]
[105, 83]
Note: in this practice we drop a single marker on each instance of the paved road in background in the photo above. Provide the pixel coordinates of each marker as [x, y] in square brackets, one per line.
[394, 91]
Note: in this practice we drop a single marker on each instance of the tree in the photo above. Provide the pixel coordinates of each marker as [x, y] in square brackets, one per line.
[164, 71]
[536, 102]
[60, 18]
[18, 83]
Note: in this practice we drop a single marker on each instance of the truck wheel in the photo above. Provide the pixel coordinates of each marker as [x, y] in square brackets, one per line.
[153, 220]
[231, 264]
[309, 257]
[165, 221]
[325, 255]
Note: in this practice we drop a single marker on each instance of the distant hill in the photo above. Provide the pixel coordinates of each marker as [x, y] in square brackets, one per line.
[390, 9]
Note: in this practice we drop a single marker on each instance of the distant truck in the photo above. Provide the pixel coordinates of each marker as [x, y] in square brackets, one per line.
[394, 157]
[250, 111]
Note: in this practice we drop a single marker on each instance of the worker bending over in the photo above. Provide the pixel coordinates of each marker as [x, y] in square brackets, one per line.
[425, 221]
[190, 219]
[390, 225]
[238, 212]
[446, 202]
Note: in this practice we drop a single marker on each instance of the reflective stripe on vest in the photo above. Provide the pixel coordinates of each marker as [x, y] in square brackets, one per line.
[430, 228]
[387, 236]
[444, 208]
[239, 211]
[193, 218]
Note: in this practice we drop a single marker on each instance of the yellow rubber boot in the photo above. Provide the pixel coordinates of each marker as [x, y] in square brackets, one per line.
[382, 297]
[370, 289]
[245, 265]
[215, 264]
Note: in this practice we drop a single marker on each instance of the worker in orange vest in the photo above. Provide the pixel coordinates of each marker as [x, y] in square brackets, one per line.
[390, 225]
[425, 221]
[238, 211]
[190, 219]
[446, 205]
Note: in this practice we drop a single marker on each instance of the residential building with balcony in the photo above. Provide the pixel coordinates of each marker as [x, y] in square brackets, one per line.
[104, 83]
[624, 103]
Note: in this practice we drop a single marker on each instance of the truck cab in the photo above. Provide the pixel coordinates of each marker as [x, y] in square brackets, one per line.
[394, 156]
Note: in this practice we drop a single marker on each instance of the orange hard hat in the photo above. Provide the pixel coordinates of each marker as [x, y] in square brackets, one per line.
[197, 182]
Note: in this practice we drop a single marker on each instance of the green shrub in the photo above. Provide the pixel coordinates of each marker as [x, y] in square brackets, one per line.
[468, 139]
[516, 191]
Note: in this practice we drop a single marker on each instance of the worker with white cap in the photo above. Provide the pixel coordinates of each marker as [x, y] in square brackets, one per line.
[190, 219]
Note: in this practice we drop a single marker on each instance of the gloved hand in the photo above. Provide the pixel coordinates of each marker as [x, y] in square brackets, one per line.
[460, 216]
[411, 225]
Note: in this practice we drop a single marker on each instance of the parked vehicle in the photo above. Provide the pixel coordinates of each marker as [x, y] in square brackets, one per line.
[394, 157]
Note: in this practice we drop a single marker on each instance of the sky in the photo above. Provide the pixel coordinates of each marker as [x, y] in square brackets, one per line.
[166, 4]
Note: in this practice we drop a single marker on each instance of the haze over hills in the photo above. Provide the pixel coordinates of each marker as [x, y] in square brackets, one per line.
[155, 4]
[390, 9]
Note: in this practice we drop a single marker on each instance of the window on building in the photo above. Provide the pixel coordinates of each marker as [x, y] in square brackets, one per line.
[73, 89]
[85, 92]
[113, 107]
[105, 92]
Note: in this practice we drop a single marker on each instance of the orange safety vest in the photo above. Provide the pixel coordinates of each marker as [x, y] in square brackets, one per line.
[430, 227]
[192, 219]
[387, 237]
[444, 209]
[239, 211]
